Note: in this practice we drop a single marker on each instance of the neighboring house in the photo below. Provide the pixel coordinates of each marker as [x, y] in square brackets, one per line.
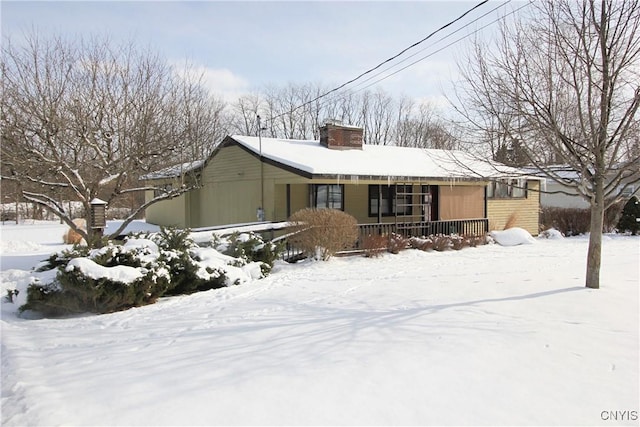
[556, 195]
[247, 179]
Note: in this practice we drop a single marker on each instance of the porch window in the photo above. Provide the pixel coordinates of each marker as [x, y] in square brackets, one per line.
[507, 189]
[327, 196]
[384, 196]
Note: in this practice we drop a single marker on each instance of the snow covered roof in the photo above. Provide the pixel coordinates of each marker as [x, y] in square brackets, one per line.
[560, 171]
[311, 159]
[175, 170]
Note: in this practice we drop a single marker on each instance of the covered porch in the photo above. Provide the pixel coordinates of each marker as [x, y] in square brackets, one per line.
[462, 227]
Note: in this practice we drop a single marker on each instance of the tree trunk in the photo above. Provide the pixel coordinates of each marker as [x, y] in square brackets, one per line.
[594, 255]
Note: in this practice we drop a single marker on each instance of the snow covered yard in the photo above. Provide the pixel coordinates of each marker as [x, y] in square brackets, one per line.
[485, 336]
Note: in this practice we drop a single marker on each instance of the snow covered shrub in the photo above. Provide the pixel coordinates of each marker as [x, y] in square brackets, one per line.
[62, 258]
[320, 233]
[112, 278]
[374, 245]
[171, 239]
[178, 253]
[397, 243]
[630, 218]
[441, 242]
[251, 247]
[551, 233]
[458, 242]
[138, 272]
[421, 243]
[473, 241]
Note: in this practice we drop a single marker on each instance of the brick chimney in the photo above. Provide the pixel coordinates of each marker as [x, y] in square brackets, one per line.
[341, 137]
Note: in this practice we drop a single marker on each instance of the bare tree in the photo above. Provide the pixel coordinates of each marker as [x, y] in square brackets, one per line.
[570, 75]
[84, 119]
[201, 120]
[378, 116]
[420, 126]
[244, 114]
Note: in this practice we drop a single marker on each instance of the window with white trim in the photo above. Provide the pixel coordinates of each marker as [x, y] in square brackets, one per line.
[514, 188]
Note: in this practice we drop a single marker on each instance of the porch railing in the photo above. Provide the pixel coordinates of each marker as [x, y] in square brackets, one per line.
[463, 227]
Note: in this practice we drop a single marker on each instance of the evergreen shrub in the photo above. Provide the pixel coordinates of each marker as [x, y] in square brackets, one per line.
[165, 262]
[630, 216]
[251, 247]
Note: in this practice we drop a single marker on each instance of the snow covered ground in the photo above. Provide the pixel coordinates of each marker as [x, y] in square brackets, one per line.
[494, 335]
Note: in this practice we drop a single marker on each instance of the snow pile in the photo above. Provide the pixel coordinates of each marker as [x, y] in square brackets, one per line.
[552, 233]
[512, 237]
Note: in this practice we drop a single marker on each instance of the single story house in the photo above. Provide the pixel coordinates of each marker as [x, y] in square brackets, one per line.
[556, 195]
[250, 178]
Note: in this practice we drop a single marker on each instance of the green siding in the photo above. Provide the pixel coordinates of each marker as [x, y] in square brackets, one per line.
[231, 193]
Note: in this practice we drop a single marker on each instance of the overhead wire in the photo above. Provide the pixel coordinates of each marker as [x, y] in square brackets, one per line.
[384, 62]
[343, 95]
[439, 40]
[442, 48]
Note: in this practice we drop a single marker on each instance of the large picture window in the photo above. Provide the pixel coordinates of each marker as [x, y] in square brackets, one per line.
[382, 198]
[507, 188]
[327, 196]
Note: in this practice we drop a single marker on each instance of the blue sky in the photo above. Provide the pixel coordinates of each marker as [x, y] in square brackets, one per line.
[242, 45]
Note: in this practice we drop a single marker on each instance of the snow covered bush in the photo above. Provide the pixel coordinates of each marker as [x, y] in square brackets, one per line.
[421, 243]
[551, 233]
[443, 242]
[397, 243]
[320, 233]
[251, 247]
[138, 272]
[374, 245]
[176, 254]
[103, 280]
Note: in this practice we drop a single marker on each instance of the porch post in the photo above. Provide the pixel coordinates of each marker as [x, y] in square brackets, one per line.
[379, 203]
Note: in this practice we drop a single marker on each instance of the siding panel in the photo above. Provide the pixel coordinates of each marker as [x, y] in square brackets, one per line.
[526, 210]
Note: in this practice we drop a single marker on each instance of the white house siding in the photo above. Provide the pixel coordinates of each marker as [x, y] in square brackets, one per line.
[560, 200]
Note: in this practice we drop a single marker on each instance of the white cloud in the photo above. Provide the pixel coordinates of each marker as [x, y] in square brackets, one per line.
[225, 83]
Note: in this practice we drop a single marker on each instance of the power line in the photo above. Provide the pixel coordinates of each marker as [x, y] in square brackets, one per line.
[344, 95]
[439, 50]
[441, 39]
[384, 62]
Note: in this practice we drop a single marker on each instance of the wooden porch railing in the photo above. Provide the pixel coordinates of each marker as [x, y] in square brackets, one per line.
[463, 227]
